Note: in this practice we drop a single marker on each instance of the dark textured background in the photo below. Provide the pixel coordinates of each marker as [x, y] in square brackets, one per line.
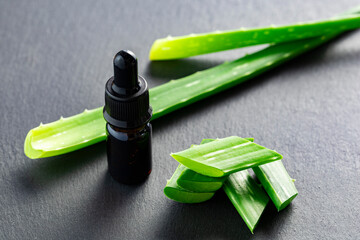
[55, 57]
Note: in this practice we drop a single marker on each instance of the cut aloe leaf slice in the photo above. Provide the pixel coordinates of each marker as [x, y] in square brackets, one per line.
[247, 196]
[173, 191]
[194, 181]
[224, 156]
[84, 129]
[199, 183]
[197, 44]
[277, 183]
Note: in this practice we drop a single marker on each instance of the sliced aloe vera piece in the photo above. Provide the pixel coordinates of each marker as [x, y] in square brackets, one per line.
[194, 181]
[197, 44]
[247, 196]
[84, 129]
[277, 183]
[199, 183]
[224, 156]
[173, 191]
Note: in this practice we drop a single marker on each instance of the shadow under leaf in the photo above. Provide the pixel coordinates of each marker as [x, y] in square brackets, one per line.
[47, 171]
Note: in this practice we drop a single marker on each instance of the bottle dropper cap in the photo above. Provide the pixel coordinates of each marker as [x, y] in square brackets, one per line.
[125, 73]
[126, 94]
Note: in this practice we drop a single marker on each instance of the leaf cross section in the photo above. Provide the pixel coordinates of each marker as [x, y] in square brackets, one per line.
[173, 191]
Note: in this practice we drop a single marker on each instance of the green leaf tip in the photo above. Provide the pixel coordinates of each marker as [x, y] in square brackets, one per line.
[65, 135]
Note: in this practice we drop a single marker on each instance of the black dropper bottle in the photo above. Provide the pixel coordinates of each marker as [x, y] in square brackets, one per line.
[127, 113]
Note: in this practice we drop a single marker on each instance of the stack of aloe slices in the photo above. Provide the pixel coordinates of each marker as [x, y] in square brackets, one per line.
[87, 128]
[213, 164]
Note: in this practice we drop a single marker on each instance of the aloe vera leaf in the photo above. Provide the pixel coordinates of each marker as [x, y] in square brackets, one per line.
[173, 191]
[247, 196]
[194, 181]
[224, 156]
[84, 129]
[197, 44]
[277, 183]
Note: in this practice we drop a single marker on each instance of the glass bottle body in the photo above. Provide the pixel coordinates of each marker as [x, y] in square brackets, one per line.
[129, 153]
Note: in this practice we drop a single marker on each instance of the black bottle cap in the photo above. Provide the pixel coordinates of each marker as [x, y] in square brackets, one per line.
[126, 94]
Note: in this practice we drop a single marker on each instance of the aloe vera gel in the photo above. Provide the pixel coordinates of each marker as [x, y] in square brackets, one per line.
[127, 113]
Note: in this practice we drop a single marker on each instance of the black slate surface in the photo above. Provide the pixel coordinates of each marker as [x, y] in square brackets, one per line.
[55, 59]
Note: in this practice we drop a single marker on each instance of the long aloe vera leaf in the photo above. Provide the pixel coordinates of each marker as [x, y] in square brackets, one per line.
[194, 181]
[173, 191]
[247, 196]
[84, 129]
[197, 44]
[224, 156]
[277, 183]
